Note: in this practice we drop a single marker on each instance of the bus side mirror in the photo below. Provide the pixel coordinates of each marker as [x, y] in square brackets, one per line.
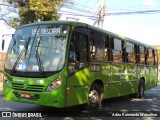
[3, 43]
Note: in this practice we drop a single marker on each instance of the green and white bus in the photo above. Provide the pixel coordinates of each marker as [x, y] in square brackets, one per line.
[62, 64]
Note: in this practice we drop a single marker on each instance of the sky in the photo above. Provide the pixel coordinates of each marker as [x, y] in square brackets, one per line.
[141, 27]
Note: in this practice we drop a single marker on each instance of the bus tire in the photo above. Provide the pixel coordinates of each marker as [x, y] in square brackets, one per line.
[141, 88]
[95, 97]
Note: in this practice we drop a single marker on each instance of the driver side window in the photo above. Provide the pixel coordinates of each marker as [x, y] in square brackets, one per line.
[78, 55]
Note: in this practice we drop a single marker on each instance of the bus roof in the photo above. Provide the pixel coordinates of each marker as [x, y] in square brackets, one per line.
[73, 23]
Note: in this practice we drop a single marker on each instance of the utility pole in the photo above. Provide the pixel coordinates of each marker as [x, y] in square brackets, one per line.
[101, 14]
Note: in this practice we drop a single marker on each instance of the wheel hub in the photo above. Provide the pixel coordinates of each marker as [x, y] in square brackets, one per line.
[93, 96]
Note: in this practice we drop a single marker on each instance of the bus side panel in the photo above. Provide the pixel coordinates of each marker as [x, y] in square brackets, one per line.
[124, 80]
[78, 85]
[115, 87]
[132, 78]
[153, 76]
[81, 81]
[106, 78]
[150, 75]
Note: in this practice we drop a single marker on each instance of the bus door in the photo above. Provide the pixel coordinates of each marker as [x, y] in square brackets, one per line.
[78, 72]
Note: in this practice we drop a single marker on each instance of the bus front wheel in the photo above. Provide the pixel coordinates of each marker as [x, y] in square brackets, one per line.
[95, 96]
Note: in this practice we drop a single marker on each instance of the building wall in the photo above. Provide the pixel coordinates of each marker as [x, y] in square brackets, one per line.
[2, 61]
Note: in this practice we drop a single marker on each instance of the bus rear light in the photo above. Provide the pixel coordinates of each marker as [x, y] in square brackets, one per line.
[55, 84]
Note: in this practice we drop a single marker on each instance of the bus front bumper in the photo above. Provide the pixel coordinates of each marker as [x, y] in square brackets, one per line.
[53, 99]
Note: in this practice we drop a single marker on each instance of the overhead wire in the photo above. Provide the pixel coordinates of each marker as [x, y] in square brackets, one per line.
[118, 3]
[79, 8]
[91, 12]
[75, 14]
[92, 8]
[135, 12]
[93, 16]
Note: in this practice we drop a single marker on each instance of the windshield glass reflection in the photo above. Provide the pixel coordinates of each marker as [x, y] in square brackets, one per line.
[38, 48]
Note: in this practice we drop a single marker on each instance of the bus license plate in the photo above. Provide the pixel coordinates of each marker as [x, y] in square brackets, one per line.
[25, 95]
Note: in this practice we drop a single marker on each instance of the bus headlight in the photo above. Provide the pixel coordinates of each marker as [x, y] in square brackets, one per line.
[5, 81]
[55, 84]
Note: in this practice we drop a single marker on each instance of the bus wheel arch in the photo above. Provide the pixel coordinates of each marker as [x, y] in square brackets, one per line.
[95, 95]
[141, 87]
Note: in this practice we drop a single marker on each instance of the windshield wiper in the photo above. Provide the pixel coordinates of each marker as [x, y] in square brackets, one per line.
[14, 42]
[39, 59]
[21, 53]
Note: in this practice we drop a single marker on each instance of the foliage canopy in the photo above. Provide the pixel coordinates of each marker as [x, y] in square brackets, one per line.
[30, 11]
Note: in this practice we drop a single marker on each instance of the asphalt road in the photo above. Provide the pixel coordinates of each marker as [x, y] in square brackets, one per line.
[124, 108]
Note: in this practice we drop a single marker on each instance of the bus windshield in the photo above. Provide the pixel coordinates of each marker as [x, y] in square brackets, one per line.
[39, 48]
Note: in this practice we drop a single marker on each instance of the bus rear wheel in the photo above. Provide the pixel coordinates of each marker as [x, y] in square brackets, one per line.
[141, 88]
[95, 97]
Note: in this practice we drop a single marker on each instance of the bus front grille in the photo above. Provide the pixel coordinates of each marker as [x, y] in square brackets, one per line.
[25, 87]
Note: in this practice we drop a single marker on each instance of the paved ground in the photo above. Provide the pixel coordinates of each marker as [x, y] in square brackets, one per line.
[150, 103]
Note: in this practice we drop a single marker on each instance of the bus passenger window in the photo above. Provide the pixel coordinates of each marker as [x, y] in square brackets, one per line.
[136, 54]
[155, 57]
[146, 55]
[123, 51]
[106, 50]
[92, 46]
[141, 55]
[117, 52]
[150, 57]
[130, 52]
[117, 56]
[111, 47]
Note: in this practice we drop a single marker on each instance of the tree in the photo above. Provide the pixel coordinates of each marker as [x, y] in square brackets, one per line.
[30, 11]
